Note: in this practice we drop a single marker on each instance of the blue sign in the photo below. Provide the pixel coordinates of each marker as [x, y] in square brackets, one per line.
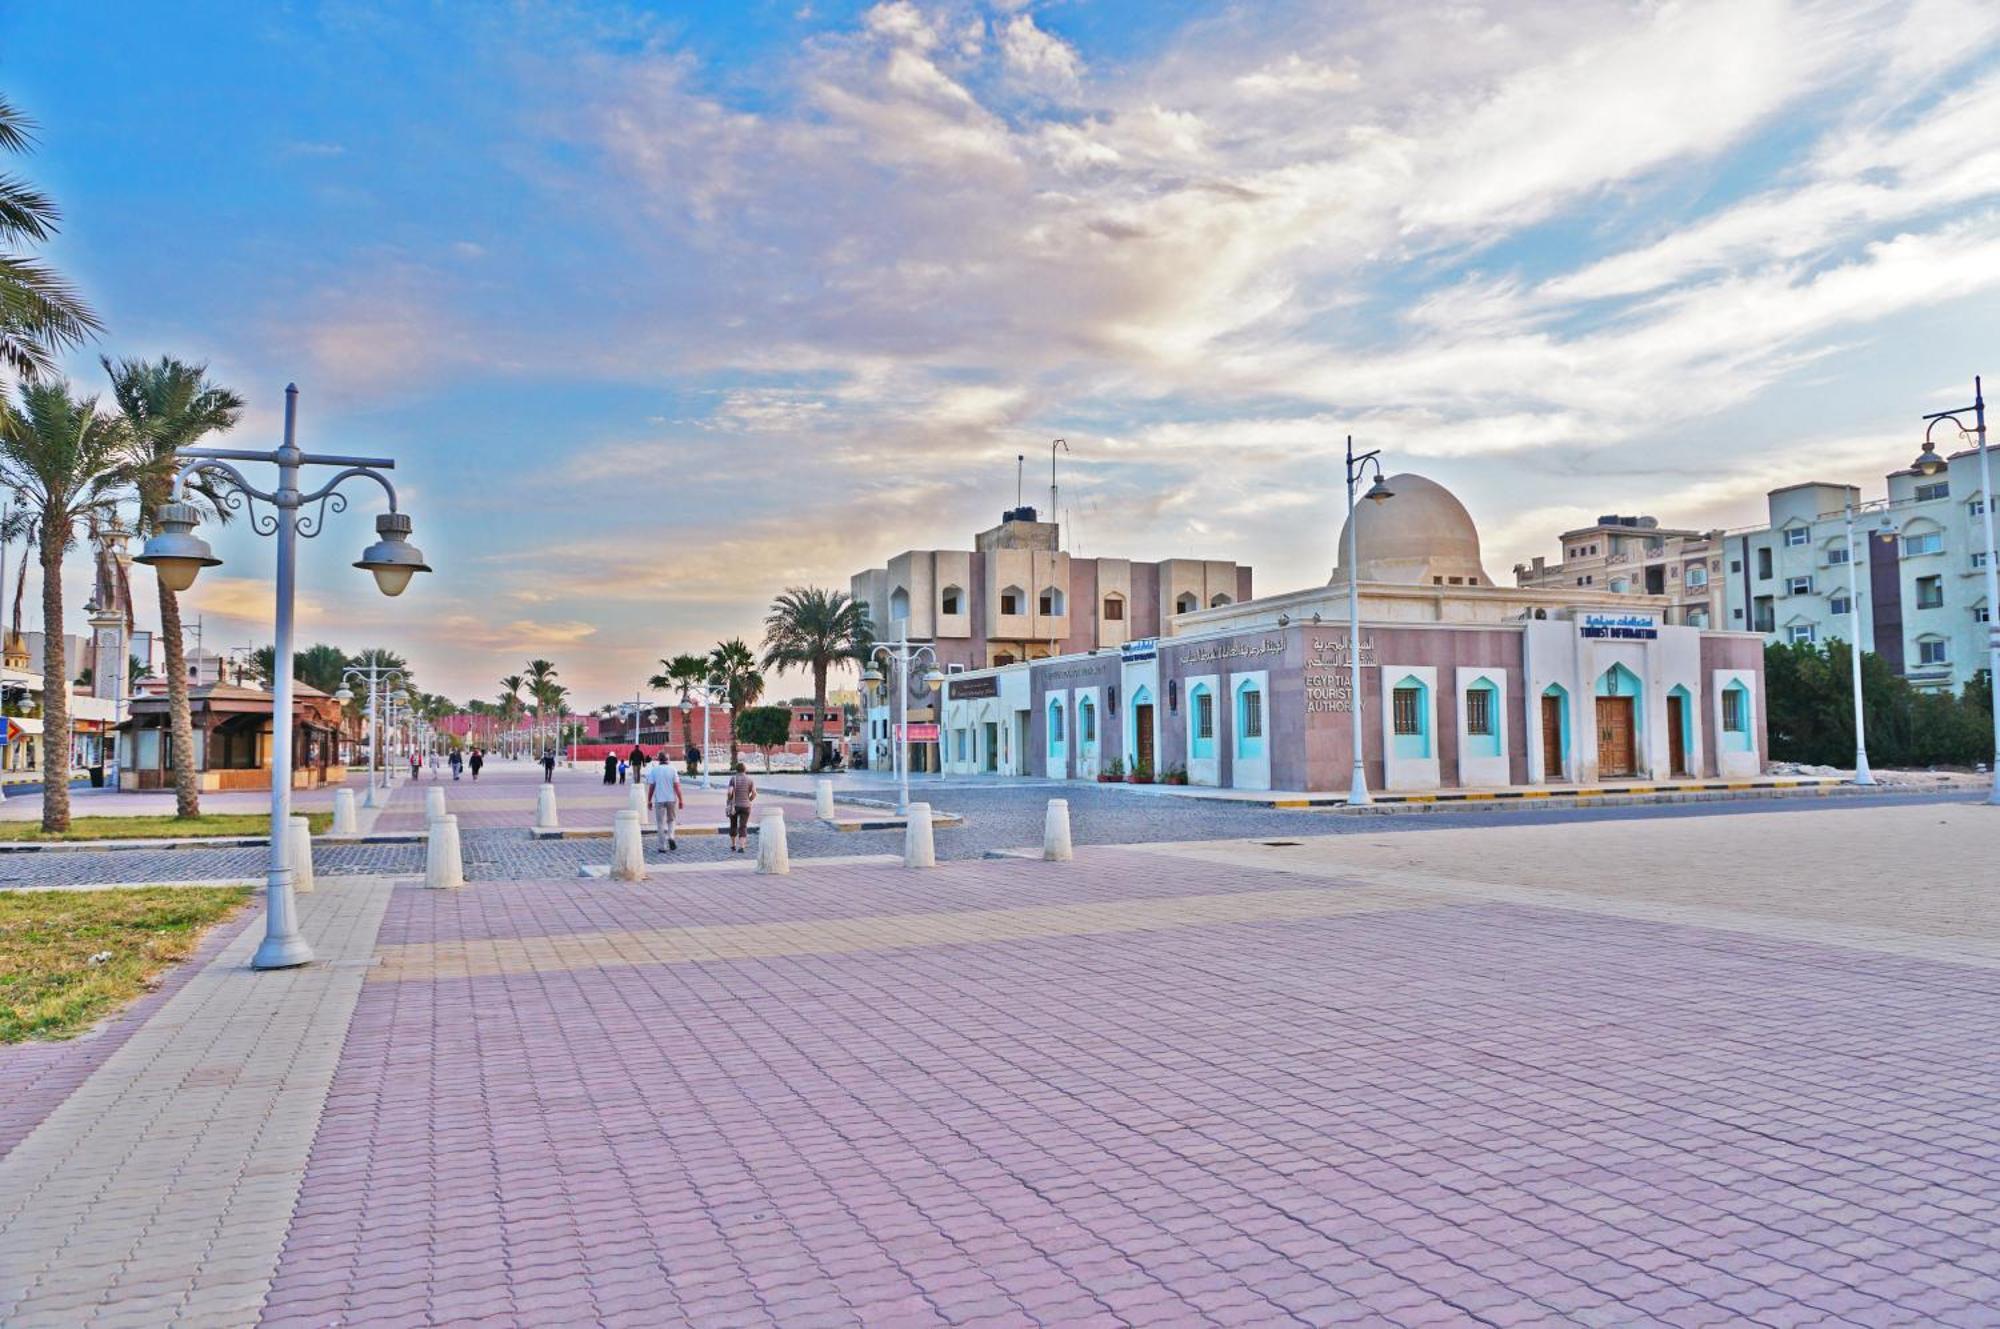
[1136, 652]
[1620, 627]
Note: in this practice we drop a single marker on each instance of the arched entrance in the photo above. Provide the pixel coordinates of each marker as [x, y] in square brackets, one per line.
[1555, 733]
[1141, 746]
[1680, 732]
[1618, 698]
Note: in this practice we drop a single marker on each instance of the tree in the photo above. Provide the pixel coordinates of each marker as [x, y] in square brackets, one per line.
[1809, 711]
[66, 462]
[320, 666]
[510, 701]
[764, 728]
[680, 675]
[812, 628]
[732, 670]
[541, 691]
[169, 406]
[40, 313]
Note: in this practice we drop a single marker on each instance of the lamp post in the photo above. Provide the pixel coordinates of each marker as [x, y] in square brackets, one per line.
[1357, 466]
[107, 634]
[1987, 496]
[903, 655]
[707, 700]
[178, 555]
[1862, 775]
[377, 679]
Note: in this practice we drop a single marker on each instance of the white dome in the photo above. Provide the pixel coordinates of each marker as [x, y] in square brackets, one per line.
[1423, 536]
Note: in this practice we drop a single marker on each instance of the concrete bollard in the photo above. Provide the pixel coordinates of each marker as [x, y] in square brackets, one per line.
[774, 851]
[628, 847]
[636, 800]
[823, 799]
[299, 854]
[444, 869]
[919, 849]
[434, 803]
[1055, 832]
[545, 809]
[344, 822]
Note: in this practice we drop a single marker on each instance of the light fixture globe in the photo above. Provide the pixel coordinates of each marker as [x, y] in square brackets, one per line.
[345, 696]
[175, 553]
[1928, 462]
[1379, 491]
[872, 676]
[392, 558]
[934, 678]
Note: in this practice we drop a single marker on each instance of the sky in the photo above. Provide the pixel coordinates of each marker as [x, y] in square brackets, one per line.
[664, 308]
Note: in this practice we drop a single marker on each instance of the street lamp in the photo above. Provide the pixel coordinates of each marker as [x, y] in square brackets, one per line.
[1987, 497]
[707, 700]
[377, 678]
[903, 655]
[178, 555]
[1357, 466]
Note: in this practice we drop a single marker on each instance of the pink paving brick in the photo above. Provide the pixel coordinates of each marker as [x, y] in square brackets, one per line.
[1458, 1115]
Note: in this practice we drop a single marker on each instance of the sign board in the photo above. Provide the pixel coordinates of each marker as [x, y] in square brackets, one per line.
[1133, 652]
[972, 689]
[1620, 627]
[920, 732]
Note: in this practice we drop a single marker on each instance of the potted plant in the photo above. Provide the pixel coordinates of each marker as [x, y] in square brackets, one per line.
[1175, 775]
[1141, 774]
[1113, 773]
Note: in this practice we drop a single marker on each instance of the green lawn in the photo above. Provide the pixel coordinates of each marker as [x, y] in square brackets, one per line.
[158, 828]
[49, 988]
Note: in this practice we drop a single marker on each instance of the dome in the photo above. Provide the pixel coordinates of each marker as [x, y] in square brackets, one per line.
[1421, 537]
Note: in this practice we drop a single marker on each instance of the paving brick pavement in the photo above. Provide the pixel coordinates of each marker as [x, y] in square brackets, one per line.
[1522, 1078]
[159, 1191]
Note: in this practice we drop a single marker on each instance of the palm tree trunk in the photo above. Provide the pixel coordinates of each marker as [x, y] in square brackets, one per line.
[55, 695]
[734, 711]
[180, 720]
[819, 712]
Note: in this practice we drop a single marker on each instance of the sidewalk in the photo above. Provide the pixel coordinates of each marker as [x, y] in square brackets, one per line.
[1472, 1076]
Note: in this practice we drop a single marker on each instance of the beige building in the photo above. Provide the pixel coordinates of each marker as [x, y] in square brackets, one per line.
[1017, 595]
[1638, 556]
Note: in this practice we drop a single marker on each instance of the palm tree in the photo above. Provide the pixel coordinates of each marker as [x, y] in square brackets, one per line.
[510, 701]
[541, 678]
[169, 406]
[733, 670]
[813, 628]
[66, 462]
[681, 675]
[40, 314]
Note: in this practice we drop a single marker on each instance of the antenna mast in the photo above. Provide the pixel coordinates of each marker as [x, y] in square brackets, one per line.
[1020, 461]
[1055, 512]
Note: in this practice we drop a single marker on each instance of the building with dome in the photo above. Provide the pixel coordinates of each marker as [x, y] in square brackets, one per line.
[1465, 683]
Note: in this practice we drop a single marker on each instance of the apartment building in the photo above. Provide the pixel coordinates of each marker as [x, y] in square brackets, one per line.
[1915, 592]
[1637, 556]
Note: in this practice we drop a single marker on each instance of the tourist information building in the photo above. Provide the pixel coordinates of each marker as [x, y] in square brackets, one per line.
[1464, 683]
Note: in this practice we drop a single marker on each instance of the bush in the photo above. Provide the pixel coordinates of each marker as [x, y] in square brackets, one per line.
[1809, 712]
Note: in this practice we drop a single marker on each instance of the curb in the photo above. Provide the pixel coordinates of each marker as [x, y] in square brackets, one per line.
[196, 842]
[844, 825]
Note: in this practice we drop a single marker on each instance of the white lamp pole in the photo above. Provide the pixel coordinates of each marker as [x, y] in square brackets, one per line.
[1862, 775]
[1357, 789]
[178, 555]
[903, 654]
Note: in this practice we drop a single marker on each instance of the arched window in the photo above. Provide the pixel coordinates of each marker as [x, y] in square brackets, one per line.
[1186, 602]
[1011, 599]
[1201, 721]
[1114, 608]
[899, 604]
[1055, 726]
[1249, 719]
[951, 600]
[1482, 718]
[1086, 722]
[1051, 601]
[1220, 600]
[1410, 717]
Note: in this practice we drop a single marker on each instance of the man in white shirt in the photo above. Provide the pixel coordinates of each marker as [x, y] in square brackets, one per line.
[664, 797]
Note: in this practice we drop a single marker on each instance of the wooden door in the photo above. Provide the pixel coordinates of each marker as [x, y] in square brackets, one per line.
[1677, 762]
[1552, 738]
[1142, 729]
[1614, 737]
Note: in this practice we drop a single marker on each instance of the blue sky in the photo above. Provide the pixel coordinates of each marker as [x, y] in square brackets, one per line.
[664, 308]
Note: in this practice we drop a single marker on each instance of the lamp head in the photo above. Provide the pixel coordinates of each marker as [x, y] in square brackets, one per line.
[392, 558]
[175, 553]
[1379, 491]
[934, 678]
[345, 695]
[872, 676]
[1928, 462]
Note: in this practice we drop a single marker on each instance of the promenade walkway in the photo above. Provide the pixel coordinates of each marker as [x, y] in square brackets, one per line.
[1738, 1070]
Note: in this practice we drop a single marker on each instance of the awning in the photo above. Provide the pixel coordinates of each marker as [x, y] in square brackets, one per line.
[20, 726]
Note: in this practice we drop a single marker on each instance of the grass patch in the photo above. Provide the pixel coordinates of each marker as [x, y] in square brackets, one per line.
[158, 828]
[48, 986]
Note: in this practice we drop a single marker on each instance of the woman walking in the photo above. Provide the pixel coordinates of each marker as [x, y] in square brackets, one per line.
[742, 793]
[457, 763]
[478, 760]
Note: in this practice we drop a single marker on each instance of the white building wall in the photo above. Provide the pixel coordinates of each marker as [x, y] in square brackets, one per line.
[1478, 769]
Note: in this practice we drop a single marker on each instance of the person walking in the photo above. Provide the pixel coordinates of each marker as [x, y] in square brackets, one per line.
[611, 768]
[548, 766]
[693, 756]
[457, 763]
[638, 760]
[416, 765]
[664, 797]
[478, 760]
[624, 769]
[742, 793]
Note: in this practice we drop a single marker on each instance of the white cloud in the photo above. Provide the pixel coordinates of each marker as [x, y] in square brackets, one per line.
[1037, 57]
